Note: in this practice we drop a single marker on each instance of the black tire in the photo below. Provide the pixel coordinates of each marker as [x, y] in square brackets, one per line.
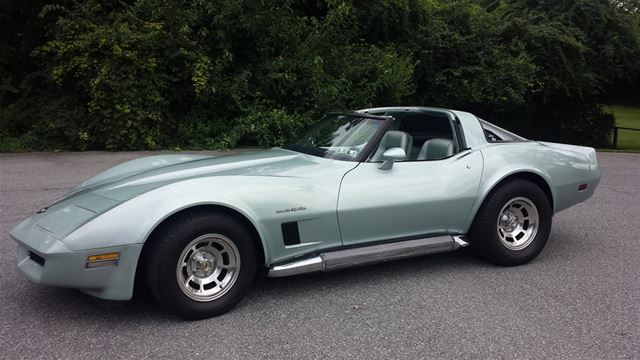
[166, 248]
[484, 233]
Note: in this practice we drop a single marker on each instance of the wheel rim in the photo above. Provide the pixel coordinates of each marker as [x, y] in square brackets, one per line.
[208, 267]
[518, 223]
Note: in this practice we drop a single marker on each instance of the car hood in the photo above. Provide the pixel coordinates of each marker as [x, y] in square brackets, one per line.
[129, 179]
[125, 181]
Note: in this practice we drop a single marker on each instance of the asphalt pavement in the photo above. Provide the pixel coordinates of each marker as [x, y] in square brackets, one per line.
[579, 299]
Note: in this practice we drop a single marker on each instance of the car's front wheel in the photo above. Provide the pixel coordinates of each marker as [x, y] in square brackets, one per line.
[201, 264]
[513, 224]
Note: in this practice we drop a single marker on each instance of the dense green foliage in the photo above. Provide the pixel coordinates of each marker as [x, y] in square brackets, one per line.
[150, 74]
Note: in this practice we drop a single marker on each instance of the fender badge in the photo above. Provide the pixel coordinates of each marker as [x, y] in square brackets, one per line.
[300, 208]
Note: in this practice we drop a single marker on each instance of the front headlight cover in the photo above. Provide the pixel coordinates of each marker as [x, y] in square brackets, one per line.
[62, 222]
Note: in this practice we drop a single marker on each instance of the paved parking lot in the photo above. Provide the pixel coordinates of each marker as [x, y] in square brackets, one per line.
[579, 299]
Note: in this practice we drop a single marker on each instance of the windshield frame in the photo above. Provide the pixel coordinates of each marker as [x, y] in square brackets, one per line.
[366, 151]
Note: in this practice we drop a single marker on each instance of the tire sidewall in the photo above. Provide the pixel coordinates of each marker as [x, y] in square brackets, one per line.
[486, 232]
[167, 255]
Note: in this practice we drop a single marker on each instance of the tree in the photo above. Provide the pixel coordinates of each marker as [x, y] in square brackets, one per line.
[145, 74]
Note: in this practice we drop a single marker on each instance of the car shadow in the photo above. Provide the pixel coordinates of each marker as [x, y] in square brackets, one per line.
[301, 287]
[143, 308]
[276, 291]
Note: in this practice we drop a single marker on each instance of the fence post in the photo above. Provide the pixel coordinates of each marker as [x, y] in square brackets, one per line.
[615, 137]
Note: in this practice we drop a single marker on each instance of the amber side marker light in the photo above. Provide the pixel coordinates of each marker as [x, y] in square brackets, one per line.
[103, 260]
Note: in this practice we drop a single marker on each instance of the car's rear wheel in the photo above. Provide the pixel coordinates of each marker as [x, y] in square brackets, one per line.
[513, 224]
[201, 264]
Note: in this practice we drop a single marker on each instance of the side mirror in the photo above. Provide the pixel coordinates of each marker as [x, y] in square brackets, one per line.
[391, 155]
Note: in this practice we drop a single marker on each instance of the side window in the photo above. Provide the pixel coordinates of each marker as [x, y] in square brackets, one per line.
[423, 135]
[433, 136]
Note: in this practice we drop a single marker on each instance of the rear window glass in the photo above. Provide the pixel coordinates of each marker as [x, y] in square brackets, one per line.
[495, 134]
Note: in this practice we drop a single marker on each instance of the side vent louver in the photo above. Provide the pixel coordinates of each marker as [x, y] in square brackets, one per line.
[290, 233]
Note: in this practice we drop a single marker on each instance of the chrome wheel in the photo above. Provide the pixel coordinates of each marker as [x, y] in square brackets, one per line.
[208, 267]
[518, 223]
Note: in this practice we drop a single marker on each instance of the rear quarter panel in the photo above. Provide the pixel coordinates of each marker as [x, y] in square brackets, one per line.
[563, 170]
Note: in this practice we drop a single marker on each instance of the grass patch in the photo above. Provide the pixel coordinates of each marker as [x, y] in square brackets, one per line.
[627, 116]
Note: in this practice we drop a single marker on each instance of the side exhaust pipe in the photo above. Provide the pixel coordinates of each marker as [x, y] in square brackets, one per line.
[340, 259]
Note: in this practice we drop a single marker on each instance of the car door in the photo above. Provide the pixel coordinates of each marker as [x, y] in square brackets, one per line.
[411, 199]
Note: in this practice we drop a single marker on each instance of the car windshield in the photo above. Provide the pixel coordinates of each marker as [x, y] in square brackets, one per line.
[337, 136]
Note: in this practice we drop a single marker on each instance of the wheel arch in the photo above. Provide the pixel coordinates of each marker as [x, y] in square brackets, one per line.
[534, 177]
[255, 234]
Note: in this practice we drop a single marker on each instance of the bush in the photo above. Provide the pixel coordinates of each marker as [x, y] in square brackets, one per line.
[222, 73]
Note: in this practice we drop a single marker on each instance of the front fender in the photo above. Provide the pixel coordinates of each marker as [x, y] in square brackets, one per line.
[133, 221]
[266, 201]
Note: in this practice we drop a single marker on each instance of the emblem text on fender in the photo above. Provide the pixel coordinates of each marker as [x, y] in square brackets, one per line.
[300, 208]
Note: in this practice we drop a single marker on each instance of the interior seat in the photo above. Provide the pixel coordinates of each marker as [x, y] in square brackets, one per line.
[434, 149]
[391, 139]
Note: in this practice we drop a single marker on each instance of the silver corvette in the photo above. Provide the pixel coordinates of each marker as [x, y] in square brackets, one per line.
[357, 188]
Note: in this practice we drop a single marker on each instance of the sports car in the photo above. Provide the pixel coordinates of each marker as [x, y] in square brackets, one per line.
[357, 188]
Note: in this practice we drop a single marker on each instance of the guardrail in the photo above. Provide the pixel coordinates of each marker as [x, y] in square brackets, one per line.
[615, 134]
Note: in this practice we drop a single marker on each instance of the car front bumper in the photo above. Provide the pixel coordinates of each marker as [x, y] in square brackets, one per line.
[44, 259]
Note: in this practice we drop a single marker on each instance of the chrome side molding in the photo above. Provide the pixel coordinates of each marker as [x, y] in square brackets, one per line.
[314, 264]
[460, 241]
[340, 259]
